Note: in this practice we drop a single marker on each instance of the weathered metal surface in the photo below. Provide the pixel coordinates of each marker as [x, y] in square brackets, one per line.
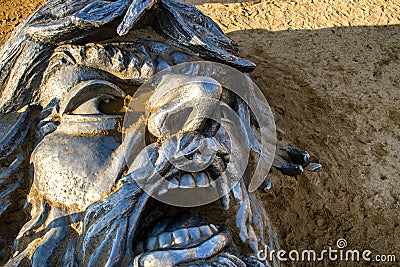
[87, 208]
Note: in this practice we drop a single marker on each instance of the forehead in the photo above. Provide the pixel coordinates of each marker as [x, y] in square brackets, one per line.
[125, 64]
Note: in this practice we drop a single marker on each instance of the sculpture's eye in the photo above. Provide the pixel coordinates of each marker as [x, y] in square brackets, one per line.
[105, 104]
[94, 97]
[112, 106]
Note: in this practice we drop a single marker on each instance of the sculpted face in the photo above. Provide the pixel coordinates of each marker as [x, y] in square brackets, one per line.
[79, 156]
[80, 159]
[138, 160]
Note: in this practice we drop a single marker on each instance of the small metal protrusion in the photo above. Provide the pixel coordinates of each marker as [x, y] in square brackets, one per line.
[314, 167]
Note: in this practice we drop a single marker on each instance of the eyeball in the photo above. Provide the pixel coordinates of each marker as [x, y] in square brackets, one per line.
[105, 104]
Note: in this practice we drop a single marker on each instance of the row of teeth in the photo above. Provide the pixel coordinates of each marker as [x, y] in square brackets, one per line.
[180, 237]
[188, 180]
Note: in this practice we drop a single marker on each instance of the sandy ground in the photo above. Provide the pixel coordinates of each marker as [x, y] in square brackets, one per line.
[331, 73]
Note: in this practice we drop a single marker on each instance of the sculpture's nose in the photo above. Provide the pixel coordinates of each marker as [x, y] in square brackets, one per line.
[182, 105]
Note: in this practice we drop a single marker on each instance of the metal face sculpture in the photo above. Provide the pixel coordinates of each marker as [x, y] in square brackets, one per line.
[104, 161]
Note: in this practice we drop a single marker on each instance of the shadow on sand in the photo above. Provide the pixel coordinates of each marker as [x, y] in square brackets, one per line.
[336, 93]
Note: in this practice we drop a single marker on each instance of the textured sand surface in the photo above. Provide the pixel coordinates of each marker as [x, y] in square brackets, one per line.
[331, 72]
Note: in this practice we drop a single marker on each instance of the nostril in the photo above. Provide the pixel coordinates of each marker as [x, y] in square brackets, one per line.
[210, 127]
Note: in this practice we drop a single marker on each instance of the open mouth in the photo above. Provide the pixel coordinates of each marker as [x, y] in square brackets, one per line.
[182, 235]
[172, 236]
[175, 234]
[189, 219]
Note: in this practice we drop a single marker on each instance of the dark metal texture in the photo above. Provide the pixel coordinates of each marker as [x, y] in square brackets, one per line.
[67, 60]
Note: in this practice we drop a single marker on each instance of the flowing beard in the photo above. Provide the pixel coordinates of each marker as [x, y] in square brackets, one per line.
[111, 231]
[54, 236]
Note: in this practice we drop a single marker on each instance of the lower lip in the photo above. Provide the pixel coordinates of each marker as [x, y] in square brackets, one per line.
[175, 256]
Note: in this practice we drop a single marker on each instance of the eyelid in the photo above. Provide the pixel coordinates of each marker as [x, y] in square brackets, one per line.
[87, 90]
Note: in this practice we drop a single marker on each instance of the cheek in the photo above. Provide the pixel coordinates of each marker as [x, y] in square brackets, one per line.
[70, 170]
